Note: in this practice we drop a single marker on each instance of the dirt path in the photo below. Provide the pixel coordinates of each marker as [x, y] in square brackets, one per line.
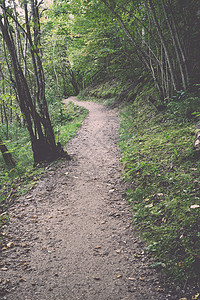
[71, 236]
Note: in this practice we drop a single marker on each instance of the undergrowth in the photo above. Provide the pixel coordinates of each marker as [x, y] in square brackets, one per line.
[156, 141]
[14, 182]
[163, 171]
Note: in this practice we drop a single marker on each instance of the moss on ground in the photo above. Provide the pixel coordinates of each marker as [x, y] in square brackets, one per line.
[163, 171]
[156, 141]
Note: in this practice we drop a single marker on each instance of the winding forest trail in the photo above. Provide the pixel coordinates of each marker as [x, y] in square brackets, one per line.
[71, 237]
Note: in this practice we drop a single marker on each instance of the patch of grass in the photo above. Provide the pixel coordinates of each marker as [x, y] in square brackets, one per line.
[109, 93]
[163, 171]
[67, 119]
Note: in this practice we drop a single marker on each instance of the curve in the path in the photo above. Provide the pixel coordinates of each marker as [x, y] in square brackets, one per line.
[72, 235]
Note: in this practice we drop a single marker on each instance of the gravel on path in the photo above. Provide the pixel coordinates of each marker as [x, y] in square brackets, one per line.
[71, 237]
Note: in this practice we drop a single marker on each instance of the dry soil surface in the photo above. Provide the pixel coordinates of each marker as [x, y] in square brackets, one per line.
[71, 236]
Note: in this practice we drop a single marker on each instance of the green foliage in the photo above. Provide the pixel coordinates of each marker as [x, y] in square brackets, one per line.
[163, 171]
[16, 181]
[67, 120]
[111, 93]
[184, 105]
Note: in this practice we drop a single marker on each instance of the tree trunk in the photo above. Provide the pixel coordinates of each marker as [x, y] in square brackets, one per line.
[73, 82]
[184, 80]
[164, 44]
[145, 56]
[38, 124]
[9, 160]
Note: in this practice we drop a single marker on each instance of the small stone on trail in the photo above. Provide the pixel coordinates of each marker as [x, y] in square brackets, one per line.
[10, 244]
[131, 278]
[97, 247]
[96, 278]
[111, 191]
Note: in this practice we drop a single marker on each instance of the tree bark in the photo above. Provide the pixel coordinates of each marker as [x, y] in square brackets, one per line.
[38, 124]
[9, 160]
[164, 44]
[184, 80]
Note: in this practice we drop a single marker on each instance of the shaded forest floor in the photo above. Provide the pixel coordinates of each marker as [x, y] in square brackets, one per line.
[71, 237]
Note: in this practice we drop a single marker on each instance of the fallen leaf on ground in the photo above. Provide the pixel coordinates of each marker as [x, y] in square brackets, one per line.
[149, 205]
[97, 247]
[96, 278]
[137, 255]
[5, 281]
[10, 244]
[118, 276]
[102, 222]
[195, 206]
[22, 279]
[196, 297]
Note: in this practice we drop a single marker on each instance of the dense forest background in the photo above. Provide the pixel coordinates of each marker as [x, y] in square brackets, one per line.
[116, 50]
[56, 51]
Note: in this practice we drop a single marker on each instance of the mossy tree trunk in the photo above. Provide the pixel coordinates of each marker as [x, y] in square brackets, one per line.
[7, 156]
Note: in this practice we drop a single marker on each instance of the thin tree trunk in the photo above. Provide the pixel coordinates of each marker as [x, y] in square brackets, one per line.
[162, 39]
[54, 66]
[175, 46]
[1, 110]
[5, 118]
[42, 141]
[179, 44]
[142, 54]
[3, 102]
[73, 81]
[16, 32]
